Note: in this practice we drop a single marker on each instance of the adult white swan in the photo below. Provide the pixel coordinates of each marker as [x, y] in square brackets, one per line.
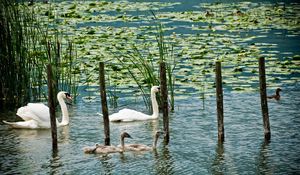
[36, 115]
[127, 115]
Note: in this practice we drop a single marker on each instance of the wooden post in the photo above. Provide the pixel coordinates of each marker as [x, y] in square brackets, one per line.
[52, 107]
[164, 100]
[263, 98]
[219, 93]
[104, 104]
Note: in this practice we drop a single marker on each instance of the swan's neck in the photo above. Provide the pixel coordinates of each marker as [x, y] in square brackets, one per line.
[277, 93]
[122, 144]
[65, 113]
[154, 105]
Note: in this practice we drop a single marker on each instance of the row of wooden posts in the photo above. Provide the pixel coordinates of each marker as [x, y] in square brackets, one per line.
[164, 99]
[263, 97]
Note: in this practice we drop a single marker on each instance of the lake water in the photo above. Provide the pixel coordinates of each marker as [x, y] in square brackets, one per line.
[193, 147]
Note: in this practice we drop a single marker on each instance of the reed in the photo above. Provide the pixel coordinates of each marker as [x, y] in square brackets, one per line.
[142, 71]
[112, 94]
[143, 66]
[166, 54]
[26, 47]
[14, 63]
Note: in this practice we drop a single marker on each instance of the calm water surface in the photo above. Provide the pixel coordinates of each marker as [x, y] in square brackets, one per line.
[193, 147]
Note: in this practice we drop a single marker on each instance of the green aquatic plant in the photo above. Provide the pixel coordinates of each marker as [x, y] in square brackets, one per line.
[166, 54]
[142, 70]
[16, 35]
[27, 46]
[213, 29]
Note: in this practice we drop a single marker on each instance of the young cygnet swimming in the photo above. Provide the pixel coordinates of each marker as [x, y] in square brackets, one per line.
[107, 149]
[141, 147]
[277, 95]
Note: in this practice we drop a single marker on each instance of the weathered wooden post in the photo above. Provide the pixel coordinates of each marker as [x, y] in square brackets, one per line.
[219, 95]
[104, 104]
[52, 107]
[164, 100]
[263, 98]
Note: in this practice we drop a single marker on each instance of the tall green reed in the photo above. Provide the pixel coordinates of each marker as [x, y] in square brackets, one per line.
[166, 54]
[143, 71]
[142, 66]
[14, 53]
[26, 48]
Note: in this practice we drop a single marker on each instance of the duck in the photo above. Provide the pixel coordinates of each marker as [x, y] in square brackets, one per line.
[209, 14]
[142, 147]
[107, 149]
[128, 115]
[37, 115]
[276, 96]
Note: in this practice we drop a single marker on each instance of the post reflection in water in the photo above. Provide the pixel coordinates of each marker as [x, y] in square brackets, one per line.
[218, 165]
[55, 163]
[262, 161]
[163, 161]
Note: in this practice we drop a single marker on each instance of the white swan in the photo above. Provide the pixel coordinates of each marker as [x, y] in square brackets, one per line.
[127, 115]
[106, 149]
[141, 147]
[37, 115]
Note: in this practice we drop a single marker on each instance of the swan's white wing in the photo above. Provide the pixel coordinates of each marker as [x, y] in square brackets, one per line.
[127, 115]
[30, 124]
[34, 111]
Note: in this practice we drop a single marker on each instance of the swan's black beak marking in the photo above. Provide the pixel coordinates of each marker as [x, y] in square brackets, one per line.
[69, 97]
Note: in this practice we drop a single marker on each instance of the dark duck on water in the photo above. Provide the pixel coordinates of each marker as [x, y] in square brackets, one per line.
[276, 96]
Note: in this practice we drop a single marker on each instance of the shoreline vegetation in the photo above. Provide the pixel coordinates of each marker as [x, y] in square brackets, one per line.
[27, 46]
